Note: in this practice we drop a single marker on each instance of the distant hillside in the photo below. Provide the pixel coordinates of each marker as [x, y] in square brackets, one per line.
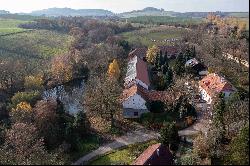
[149, 11]
[71, 12]
[19, 17]
[4, 12]
[204, 14]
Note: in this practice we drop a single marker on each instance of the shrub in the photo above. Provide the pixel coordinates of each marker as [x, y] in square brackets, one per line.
[33, 83]
[155, 106]
[29, 97]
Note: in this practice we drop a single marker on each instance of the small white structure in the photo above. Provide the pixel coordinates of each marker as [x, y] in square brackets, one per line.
[191, 62]
[214, 84]
[134, 102]
[197, 66]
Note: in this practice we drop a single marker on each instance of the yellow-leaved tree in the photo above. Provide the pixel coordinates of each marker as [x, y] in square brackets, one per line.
[152, 54]
[114, 70]
[22, 113]
[23, 106]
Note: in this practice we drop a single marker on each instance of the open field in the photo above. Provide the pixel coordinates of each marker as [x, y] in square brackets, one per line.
[38, 43]
[8, 26]
[150, 36]
[164, 20]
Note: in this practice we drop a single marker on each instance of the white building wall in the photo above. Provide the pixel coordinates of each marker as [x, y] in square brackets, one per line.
[208, 98]
[205, 96]
[135, 102]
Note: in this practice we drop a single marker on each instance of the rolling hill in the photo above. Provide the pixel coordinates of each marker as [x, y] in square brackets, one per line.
[71, 12]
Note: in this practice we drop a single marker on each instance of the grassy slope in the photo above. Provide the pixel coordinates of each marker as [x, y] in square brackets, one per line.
[123, 156]
[10, 26]
[144, 36]
[41, 43]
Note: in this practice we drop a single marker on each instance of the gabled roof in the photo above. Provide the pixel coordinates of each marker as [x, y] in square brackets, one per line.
[135, 89]
[149, 95]
[137, 69]
[164, 96]
[214, 84]
[142, 71]
[155, 154]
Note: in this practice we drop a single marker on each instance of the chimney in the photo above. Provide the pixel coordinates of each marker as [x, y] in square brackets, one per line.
[158, 152]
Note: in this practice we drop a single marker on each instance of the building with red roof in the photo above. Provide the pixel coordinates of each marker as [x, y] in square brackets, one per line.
[212, 85]
[156, 154]
[137, 73]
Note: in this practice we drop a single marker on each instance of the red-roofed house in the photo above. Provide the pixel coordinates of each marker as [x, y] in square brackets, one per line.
[134, 101]
[155, 155]
[214, 84]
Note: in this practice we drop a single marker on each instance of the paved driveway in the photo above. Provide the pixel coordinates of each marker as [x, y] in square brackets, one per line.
[140, 135]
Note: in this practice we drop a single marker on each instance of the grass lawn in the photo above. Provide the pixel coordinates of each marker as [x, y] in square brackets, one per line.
[146, 35]
[155, 120]
[8, 26]
[124, 156]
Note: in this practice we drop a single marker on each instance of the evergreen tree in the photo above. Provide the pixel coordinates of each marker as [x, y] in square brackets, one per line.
[169, 134]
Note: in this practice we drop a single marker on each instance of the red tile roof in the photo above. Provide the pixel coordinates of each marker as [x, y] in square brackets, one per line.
[142, 71]
[214, 84]
[150, 95]
[135, 89]
[163, 96]
[151, 157]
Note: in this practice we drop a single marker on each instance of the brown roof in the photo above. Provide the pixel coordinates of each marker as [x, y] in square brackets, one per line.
[163, 96]
[140, 52]
[171, 50]
[151, 157]
[214, 84]
[150, 95]
[135, 89]
[142, 71]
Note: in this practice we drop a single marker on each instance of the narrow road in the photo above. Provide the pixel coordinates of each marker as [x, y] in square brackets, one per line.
[140, 135]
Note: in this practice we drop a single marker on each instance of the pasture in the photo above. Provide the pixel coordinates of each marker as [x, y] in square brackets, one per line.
[162, 35]
[37, 43]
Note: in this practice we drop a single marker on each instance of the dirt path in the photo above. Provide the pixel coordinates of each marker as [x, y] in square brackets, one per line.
[140, 135]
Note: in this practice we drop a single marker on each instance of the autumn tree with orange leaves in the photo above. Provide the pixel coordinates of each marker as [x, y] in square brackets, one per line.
[114, 70]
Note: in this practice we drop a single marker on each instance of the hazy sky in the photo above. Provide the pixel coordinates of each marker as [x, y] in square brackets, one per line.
[127, 5]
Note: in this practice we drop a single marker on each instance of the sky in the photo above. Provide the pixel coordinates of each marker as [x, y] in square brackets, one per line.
[118, 6]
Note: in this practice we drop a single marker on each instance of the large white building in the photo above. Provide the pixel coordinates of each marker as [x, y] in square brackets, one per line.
[134, 102]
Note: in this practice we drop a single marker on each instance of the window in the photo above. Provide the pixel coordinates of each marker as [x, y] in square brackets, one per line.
[135, 113]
